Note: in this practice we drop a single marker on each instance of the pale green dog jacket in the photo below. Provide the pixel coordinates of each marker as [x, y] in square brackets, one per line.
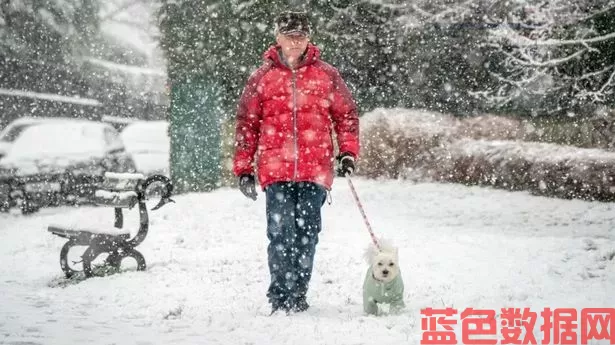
[376, 292]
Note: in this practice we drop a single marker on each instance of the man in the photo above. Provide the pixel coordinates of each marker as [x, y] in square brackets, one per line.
[285, 117]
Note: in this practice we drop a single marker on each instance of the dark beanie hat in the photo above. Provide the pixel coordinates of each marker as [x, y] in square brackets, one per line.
[289, 22]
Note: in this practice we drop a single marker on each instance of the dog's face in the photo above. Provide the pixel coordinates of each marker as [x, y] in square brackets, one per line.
[385, 266]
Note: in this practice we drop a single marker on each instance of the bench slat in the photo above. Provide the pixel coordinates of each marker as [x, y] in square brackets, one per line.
[115, 199]
[114, 185]
[119, 182]
[124, 176]
[76, 232]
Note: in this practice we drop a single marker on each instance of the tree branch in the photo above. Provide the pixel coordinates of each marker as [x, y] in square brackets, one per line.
[608, 82]
[434, 17]
[597, 13]
[591, 74]
[130, 23]
[525, 42]
[549, 63]
[126, 5]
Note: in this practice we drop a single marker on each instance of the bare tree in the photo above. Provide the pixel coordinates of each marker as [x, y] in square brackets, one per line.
[552, 50]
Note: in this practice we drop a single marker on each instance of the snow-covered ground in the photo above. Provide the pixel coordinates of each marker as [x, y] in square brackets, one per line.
[205, 284]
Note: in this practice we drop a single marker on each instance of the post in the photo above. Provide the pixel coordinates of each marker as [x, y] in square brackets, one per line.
[195, 132]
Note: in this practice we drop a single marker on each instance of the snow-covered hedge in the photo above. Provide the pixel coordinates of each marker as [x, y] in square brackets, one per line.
[544, 169]
[422, 145]
[394, 140]
[384, 132]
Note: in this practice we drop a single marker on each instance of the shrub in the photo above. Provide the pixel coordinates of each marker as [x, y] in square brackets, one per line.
[394, 141]
[428, 146]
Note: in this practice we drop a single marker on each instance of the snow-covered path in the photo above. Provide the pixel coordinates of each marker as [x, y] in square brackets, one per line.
[207, 270]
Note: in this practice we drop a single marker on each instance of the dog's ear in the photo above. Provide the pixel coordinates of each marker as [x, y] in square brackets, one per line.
[396, 253]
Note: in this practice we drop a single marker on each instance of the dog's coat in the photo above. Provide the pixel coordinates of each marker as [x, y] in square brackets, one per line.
[376, 292]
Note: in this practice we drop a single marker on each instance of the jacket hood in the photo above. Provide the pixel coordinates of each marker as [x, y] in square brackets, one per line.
[312, 54]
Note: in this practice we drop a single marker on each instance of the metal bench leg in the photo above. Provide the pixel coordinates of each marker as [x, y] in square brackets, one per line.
[90, 255]
[119, 218]
[64, 264]
[115, 258]
[135, 254]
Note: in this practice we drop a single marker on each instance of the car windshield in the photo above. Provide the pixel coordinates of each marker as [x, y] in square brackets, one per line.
[67, 139]
[14, 132]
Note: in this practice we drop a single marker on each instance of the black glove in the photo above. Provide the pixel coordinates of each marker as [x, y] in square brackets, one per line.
[346, 164]
[247, 185]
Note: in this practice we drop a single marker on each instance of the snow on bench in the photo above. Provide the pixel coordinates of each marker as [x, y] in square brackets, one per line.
[124, 176]
[72, 229]
[104, 194]
[119, 199]
[117, 182]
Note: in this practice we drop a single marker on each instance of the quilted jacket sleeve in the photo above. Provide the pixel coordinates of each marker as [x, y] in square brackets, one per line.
[345, 116]
[247, 127]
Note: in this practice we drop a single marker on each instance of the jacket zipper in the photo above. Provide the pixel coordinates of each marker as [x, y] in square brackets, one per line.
[295, 124]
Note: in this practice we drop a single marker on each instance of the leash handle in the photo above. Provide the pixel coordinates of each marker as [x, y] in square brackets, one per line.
[356, 198]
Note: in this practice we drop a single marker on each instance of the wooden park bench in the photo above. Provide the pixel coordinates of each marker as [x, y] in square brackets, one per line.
[120, 191]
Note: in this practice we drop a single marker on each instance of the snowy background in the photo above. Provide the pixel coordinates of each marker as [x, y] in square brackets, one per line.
[547, 63]
[207, 276]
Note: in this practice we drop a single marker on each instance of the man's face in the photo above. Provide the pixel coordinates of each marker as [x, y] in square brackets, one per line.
[293, 45]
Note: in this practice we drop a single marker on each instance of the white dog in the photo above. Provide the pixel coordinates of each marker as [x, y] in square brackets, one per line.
[383, 283]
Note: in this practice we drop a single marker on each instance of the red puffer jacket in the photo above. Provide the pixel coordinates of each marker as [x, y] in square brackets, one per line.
[286, 118]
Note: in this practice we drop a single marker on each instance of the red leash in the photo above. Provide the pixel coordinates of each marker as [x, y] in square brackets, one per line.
[369, 227]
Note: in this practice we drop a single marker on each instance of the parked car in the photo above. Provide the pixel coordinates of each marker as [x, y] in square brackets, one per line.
[149, 145]
[14, 129]
[60, 163]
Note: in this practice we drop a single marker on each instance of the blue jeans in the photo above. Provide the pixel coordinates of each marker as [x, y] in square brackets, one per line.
[293, 224]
